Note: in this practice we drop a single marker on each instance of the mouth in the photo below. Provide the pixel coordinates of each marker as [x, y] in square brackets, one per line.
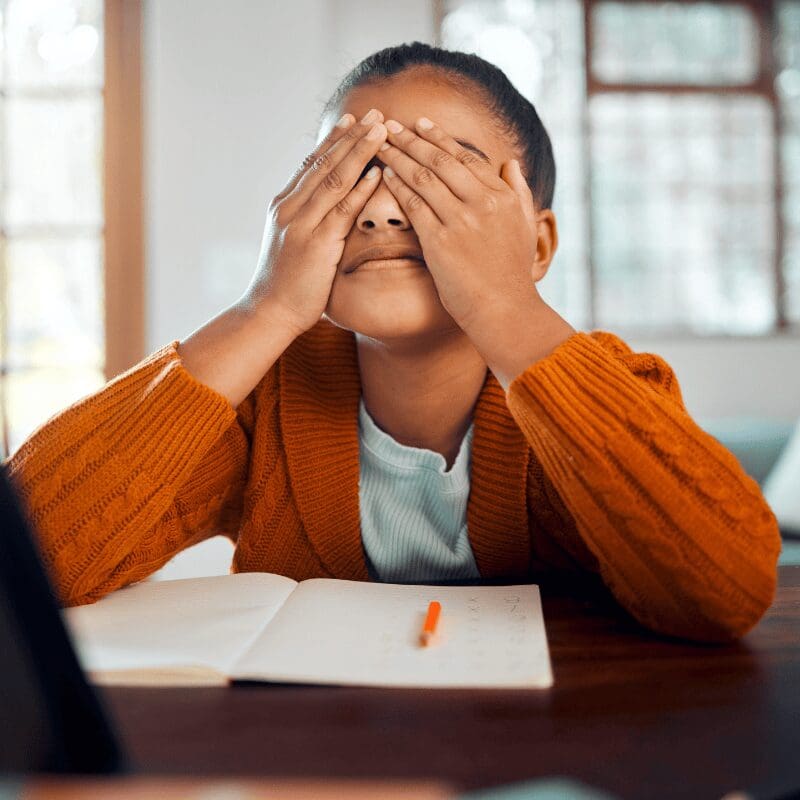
[386, 256]
[374, 264]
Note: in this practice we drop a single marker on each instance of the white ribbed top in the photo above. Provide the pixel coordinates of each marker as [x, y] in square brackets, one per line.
[413, 510]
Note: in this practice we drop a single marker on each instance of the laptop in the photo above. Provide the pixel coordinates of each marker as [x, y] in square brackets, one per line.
[53, 720]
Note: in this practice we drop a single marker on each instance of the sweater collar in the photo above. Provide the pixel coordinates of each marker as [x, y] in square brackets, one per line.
[320, 388]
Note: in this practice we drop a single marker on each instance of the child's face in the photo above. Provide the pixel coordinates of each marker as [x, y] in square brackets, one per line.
[402, 302]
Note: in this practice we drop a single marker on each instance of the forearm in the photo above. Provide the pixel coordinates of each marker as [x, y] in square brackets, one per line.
[681, 534]
[232, 352]
[513, 340]
[99, 478]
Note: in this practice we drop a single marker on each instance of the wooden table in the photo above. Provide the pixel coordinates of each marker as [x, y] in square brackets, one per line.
[631, 713]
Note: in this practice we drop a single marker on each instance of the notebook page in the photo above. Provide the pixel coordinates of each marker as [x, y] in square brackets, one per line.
[206, 622]
[347, 632]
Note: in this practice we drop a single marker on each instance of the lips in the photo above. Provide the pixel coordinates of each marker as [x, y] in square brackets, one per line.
[383, 253]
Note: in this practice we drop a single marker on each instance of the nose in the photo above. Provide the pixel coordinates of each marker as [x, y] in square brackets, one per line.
[382, 212]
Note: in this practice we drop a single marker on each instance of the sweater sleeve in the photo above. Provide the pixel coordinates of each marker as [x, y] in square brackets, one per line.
[122, 480]
[676, 529]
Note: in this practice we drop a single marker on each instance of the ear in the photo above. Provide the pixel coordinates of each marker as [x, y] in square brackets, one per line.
[546, 243]
[542, 223]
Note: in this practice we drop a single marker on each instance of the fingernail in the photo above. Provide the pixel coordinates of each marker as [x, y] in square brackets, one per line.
[346, 121]
[375, 132]
[370, 116]
[372, 173]
[384, 146]
[388, 172]
[423, 123]
[394, 126]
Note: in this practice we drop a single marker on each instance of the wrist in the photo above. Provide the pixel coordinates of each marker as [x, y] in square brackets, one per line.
[270, 315]
[520, 337]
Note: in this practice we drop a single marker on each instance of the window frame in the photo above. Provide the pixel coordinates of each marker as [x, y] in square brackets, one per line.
[121, 233]
[763, 85]
[122, 186]
[765, 15]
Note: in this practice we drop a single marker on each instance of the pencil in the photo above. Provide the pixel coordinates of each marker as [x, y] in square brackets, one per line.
[429, 626]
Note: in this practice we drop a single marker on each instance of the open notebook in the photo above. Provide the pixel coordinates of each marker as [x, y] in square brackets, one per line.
[264, 627]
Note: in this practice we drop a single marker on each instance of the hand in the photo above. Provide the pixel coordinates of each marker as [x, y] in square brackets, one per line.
[308, 221]
[477, 230]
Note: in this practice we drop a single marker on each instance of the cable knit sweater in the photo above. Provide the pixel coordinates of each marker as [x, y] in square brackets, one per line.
[590, 462]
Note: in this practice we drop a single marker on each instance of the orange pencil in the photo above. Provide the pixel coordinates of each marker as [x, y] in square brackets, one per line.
[429, 627]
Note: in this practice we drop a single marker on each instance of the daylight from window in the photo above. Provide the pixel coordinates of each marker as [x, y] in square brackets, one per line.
[51, 209]
[678, 161]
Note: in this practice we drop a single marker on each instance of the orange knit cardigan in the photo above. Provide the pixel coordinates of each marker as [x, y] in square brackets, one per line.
[591, 463]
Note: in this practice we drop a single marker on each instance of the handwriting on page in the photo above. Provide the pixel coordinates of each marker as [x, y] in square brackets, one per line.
[476, 633]
[353, 632]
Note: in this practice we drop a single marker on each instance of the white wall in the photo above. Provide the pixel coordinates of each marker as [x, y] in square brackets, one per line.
[731, 377]
[232, 95]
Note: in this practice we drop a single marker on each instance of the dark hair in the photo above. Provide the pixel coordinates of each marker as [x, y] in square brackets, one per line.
[516, 116]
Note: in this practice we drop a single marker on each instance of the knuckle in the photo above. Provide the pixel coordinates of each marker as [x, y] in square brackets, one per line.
[441, 236]
[290, 231]
[279, 212]
[441, 159]
[414, 202]
[322, 163]
[422, 176]
[333, 181]
[344, 207]
[488, 204]
[467, 158]
[351, 135]
[465, 221]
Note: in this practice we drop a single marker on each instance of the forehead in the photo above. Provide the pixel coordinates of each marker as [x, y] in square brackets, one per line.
[408, 96]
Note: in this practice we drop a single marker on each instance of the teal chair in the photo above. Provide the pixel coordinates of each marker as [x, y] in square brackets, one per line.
[757, 443]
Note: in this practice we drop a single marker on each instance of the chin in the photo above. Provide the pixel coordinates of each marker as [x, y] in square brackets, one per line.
[392, 315]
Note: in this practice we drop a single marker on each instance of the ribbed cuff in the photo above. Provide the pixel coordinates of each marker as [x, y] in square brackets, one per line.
[580, 392]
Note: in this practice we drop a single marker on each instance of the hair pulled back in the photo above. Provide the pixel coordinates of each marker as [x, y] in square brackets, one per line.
[515, 115]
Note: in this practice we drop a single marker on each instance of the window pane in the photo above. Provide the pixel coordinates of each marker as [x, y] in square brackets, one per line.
[792, 273]
[540, 47]
[2, 47]
[687, 241]
[54, 43]
[691, 43]
[54, 179]
[55, 303]
[33, 396]
[788, 93]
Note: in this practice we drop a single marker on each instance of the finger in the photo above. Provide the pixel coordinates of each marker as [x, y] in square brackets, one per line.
[328, 184]
[343, 215]
[511, 172]
[424, 182]
[345, 131]
[437, 136]
[336, 133]
[419, 213]
[516, 180]
[456, 176]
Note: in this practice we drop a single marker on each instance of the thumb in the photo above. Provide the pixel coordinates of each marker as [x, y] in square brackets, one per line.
[511, 173]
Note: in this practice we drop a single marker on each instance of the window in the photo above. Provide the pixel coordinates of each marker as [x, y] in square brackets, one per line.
[676, 132]
[66, 68]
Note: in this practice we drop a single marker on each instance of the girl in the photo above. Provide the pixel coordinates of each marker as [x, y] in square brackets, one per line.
[391, 398]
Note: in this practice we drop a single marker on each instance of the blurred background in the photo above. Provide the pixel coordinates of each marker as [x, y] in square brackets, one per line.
[142, 140]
